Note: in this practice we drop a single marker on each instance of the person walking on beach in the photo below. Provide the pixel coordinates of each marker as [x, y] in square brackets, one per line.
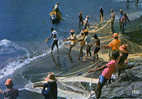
[109, 69]
[72, 38]
[97, 46]
[55, 39]
[124, 20]
[82, 40]
[112, 18]
[114, 45]
[49, 90]
[80, 21]
[10, 92]
[101, 15]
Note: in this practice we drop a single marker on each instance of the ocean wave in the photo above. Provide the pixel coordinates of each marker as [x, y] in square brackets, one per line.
[11, 67]
[9, 47]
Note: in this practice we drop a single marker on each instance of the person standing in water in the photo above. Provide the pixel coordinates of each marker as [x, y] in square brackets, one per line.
[72, 38]
[101, 15]
[82, 40]
[80, 21]
[109, 69]
[112, 18]
[55, 39]
[86, 23]
[56, 7]
[57, 10]
[10, 92]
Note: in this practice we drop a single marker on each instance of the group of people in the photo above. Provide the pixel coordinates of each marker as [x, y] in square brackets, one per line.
[123, 20]
[85, 42]
[49, 90]
[117, 62]
[118, 52]
[118, 55]
[83, 38]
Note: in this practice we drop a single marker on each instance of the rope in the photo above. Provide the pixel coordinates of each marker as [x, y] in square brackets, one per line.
[107, 22]
[80, 71]
[78, 79]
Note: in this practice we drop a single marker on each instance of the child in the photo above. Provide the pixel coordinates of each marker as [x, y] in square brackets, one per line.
[109, 68]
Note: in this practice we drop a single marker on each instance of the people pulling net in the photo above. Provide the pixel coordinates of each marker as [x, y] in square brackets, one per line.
[69, 84]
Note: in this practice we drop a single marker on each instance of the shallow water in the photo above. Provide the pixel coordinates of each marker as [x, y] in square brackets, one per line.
[25, 24]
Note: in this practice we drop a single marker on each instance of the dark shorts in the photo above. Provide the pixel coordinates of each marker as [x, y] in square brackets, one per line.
[96, 50]
[72, 45]
[102, 80]
[123, 58]
[88, 48]
[55, 43]
[112, 52]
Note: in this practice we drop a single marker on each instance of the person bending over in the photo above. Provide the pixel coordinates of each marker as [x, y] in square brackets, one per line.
[109, 68]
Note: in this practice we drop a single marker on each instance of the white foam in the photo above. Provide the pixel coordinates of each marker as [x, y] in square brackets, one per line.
[125, 0]
[8, 47]
[13, 66]
[4, 42]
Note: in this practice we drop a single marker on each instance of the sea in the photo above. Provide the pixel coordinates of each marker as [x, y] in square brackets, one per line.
[25, 24]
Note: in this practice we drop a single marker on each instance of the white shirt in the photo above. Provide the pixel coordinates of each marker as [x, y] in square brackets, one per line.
[72, 39]
[54, 32]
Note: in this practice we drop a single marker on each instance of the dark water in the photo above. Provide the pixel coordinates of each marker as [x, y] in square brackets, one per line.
[24, 25]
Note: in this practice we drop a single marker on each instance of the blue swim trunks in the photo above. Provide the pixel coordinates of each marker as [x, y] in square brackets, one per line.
[102, 80]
